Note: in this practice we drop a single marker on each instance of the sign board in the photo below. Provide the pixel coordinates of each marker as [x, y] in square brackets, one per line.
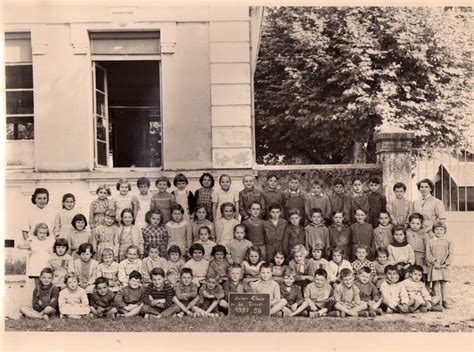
[249, 304]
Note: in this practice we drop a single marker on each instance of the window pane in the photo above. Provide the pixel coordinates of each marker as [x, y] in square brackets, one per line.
[99, 79]
[20, 76]
[100, 103]
[20, 102]
[101, 130]
[101, 153]
[155, 144]
[20, 127]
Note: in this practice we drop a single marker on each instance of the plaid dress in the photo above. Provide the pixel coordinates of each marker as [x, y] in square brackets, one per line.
[157, 236]
[357, 264]
[204, 199]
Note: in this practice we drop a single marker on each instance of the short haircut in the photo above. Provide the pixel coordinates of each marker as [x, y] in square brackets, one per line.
[382, 250]
[264, 266]
[105, 188]
[269, 176]
[439, 224]
[316, 210]
[321, 272]
[294, 177]
[294, 211]
[374, 179]
[384, 212]
[135, 275]
[398, 185]
[317, 182]
[416, 267]
[163, 179]
[78, 217]
[143, 181]
[334, 213]
[46, 271]
[83, 247]
[39, 191]
[196, 247]
[429, 182]
[177, 207]
[416, 216]
[123, 181]
[337, 250]
[60, 242]
[253, 203]
[101, 280]
[149, 213]
[212, 275]
[289, 272]
[299, 248]
[362, 210]
[224, 175]
[154, 246]
[390, 267]
[253, 249]
[338, 181]
[127, 210]
[275, 206]
[345, 273]
[174, 249]
[207, 174]
[218, 248]
[41, 225]
[66, 196]
[186, 271]
[227, 204]
[206, 228]
[357, 179]
[361, 246]
[365, 269]
[110, 212]
[235, 266]
[199, 207]
[180, 178]
[132, 246]
[398, 228]
[70, 275]
[105, 251]
[240, 226]
[157, 272]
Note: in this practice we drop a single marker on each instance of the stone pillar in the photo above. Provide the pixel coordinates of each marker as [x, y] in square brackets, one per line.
[393, 148]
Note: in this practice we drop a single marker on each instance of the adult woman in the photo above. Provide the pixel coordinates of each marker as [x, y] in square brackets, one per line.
[38, 213]
[429, 206]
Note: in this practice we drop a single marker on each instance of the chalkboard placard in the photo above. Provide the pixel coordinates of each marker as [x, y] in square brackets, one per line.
[249, 304]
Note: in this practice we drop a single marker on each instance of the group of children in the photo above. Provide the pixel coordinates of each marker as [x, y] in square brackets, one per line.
[179, 253]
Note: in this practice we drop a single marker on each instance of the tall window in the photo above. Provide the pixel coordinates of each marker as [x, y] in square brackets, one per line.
[19, 86]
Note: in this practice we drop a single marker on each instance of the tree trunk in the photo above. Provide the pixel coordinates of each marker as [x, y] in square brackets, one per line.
[358, 153]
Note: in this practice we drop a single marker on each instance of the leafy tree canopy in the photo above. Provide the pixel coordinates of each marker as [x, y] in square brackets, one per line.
[326, 77]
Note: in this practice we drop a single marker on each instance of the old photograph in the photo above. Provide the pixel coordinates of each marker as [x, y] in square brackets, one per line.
[238, 168]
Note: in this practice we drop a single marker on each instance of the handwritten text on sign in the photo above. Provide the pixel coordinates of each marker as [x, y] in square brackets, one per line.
[249, 304]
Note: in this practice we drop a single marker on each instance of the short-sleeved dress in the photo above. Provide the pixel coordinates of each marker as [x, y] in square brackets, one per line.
[180, 234]
[62, 222]
[103, 237]
[122, 202]
[440, 250]
[97, 210]
[163, 201]
[41, 251]
[143, 206]
[220, 197]
[204, 199]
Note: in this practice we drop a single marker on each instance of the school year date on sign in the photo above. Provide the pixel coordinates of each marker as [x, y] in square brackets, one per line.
[249, 304]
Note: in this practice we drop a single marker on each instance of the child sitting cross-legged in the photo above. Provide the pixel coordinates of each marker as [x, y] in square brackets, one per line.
[394, 294]
[368, 291]
[317, 296]
[267, 285]
[210, 293]
[45, 298]
[419, 299]
[300, 264]
[154, 260]
[295, 303]
[102, 300]
[157, 296]
[235, 284]
[186, 294]
[131, 263]
[73, 302]
[347, 297]
[129, 299]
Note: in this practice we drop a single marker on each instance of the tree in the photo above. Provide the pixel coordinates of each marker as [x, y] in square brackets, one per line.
[327, 77]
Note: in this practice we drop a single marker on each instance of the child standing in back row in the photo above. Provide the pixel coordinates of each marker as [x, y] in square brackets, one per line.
[295, 198]
[125, 200]
[224, 194]
[183, 196]
[272, 194]
[204, 195]
[248, 196]
[100, 205]
[358, 200]
[63, 220]
[163, 200]
[144, 200]
[377, 201]
[274, 230]
[317, 200]
[339, 200]
[399, 207]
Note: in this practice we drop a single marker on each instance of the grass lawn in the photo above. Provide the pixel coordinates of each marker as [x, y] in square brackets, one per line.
[460, 318]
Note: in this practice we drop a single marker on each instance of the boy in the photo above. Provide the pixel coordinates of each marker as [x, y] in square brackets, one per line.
[102, 299]
[316, 232]
[292, 294]
[294, 198]
[210, 294]
[294, 233]
[340, 233]
[339, 200]
[347, 297]
[129, 299]
[383, 233]
[368, 292]
[399, 207]
[186, 294]
[274, 229]
[267, 285]
[254, 227]
[235, 284]
[316, 199]
[238, 246]
[419, 298]
[362, 233]
[357, 200]
[272, 194]
[153, 261]
[394, 294]
[157, 296]
[45, 298]
[380, 264]
[317, 296]
[249, 195]
[361, 261]
[377, 201]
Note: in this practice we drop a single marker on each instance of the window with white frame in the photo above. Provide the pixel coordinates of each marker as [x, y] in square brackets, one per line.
[19, 86]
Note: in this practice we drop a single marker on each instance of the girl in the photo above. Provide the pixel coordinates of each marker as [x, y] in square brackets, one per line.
[183, 196]
[224, 195]
[197, 263]
[440, 257]
[226, 223]
[39, 213]
[126, 235]
[73, 301]
[299, 264]
[80, 234]
[252, 263]
[294, 233]
[203, 195]
[278, 266]
[62, 222]
[210, 293]
[175, 263]
[219, 265]
[124, 200]
[155, 233]
[60, 261]
[144, 200]
[109, 269]
[205, 242]
[383, 232]
[163, 199]
[201, 219]
[130, 264]
[336, 264]
[339, 233]
[179, 230]
[100, 205]
[103, 235]
[400, 253]
[362, 233]
[39, 245]
[255, 228]
[85, 267]
[317, 261]
[358, 199]
[419, 240]
[380, 263]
